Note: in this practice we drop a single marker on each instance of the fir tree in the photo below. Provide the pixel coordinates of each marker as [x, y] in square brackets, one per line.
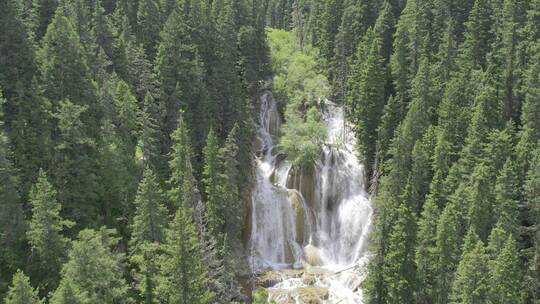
[21, 292]
[45, 231]
[366, 98]
[505, 275]
[426, 254]
[150, 217]
[12, 220]
[447, 251]
[179, 70]
[149, 25]
[400, 270]
[472, 280]
[182, 272]
[93, 272]
[213, 186]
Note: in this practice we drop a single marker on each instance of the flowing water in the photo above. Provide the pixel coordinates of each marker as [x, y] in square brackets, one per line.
[315, 219]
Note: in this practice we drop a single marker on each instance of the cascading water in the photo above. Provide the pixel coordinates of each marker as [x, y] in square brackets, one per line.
[310, 218]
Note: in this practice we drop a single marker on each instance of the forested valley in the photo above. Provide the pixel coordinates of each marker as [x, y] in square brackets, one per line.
[270, 151]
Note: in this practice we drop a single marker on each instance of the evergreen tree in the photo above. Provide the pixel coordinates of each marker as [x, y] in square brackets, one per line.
[182, 272]
[179, 70]
[479, 34]
[505, 275]
[12, 220]
[149, 23]
[480, 202]
[507, 197]
[472, 280]
[231, 174]
[180, 163]
[447, 251]
[426, 255]
[148, 233]
[400, 270]
[63, 66]
[93, 273]
[366, 98]
[150, 217]
[74, 165]
[213, 186]
[45, 232]
[21, 292]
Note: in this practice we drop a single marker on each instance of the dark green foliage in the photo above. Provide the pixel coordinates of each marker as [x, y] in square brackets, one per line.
[471, 284]
[148, 233]
[366, 97]
[44, 233]
[182, 276]
[104, 95]
[12, 220]
[93, 273]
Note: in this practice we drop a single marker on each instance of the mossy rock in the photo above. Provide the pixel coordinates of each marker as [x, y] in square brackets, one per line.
[312, 294]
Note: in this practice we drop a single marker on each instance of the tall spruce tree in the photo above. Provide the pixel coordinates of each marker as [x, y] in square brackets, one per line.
[505, 276]
[471, 284]
[148, 233]
[213, 186]
[49, 246]
[182, 272]
[21, 292]
[93, 273]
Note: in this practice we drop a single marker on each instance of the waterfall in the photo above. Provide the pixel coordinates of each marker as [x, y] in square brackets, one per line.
[315, 216]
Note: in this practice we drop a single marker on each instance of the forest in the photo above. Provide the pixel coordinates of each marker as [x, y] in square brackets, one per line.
[152, 150]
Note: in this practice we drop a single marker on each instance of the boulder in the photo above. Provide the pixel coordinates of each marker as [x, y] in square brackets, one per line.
[312, 255]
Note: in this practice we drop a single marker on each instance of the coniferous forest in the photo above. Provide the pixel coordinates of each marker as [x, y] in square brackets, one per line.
[132, 138]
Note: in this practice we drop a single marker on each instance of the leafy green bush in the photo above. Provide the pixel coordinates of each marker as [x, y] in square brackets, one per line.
[300, 87]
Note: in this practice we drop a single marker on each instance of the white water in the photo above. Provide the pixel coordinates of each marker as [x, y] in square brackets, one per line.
[328, 215]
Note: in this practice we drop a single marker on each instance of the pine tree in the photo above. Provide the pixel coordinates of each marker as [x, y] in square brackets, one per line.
[505, 275]
[21, 292]
[26, 122]
[480, 201]
[447, 251]
[472, 280]
[64, 70]
[149, 25]
[213, 186]
[421, 171]
[400, 270]
[74, 165]
[366, 97]
[150, 217]
[229, 158]
[12, 220]
[331, 14]
[479, 34]
[180, 163]
[179, 70]
[93, 272]
[45, 232]
[507, 196]
[148, 234]
[182, 272]
[426, 254]
[532, 206]
[149, 133]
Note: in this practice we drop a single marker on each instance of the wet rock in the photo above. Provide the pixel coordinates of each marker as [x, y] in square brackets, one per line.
[312, 294]
[268, 279]
[299, 212]
[312, 255]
